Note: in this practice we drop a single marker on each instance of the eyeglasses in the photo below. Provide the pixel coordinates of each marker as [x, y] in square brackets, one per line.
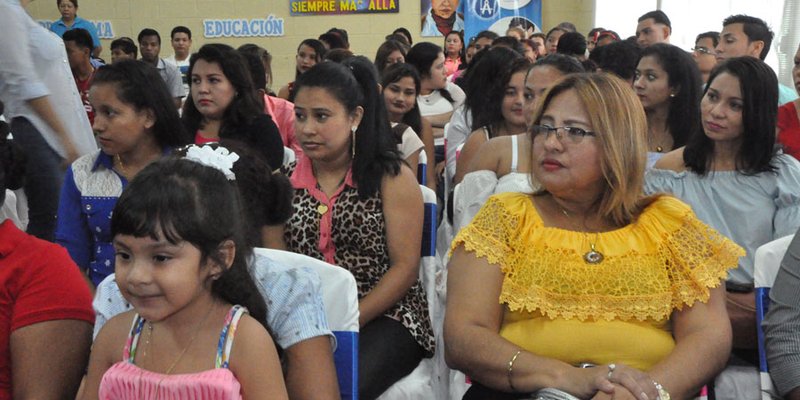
[703, 50]
[574, 134]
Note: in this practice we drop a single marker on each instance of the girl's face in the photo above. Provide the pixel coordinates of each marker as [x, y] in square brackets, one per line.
[400, 97]
[212, 92]
[651, 83]
[323, 125]
[306, 58]
[160, 279]
[530, 52]
[513, 106]
[394, 57]
[453, 44]
[796, 71]
[119, 127]
[552, 41]
[539, 79]
[721, 109]
[470, 53]
[438, 75]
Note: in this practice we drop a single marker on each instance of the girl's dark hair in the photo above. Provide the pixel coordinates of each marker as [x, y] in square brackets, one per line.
[485, 76]
[759, 87]
[561, 62]
[386, 48]
[493, 113]
[12, 163]
[422, 56]
[462, 54]
[406, 33]
[180, 200]
[140, 86]
[266, 197]
[319, 52]
[334, 40]
[264, 56]
[245, 105]
[354, 83]
[685, 81]
[394, 73]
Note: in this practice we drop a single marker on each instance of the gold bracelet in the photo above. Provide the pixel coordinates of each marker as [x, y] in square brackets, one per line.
[511, 370]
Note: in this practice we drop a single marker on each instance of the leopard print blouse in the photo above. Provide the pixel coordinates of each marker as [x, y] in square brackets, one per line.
[359, 238]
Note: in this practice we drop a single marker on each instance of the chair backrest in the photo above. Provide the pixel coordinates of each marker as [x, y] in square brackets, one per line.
[422, 168]
[288, 156]
[767, 262]
[340, 298]
[428, 264]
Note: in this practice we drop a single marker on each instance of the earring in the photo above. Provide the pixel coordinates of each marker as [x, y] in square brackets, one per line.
[353, 135]
[672, 95]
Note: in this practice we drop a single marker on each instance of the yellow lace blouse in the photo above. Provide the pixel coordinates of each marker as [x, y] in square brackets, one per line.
[559, 306]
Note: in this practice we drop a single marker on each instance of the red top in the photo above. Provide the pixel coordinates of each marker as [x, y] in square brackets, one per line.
[303, 178]
[83, 90]
[789, 129]
[199, 139]
[38, 282]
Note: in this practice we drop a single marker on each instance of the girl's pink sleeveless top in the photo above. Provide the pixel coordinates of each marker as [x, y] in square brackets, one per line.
[125, 380]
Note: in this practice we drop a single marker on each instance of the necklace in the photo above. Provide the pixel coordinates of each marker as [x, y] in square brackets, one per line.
[592, 256]
[180, 356]
[121, 165]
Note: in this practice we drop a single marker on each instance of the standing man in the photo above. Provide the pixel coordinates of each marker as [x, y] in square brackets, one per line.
[181, 40]
[653, 27]
[149, 47]
[743, 35]
[78, 43]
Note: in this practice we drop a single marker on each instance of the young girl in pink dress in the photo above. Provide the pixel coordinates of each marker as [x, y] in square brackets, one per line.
[197, 328]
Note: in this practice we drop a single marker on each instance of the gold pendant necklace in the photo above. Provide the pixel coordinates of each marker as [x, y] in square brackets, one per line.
[593, 256]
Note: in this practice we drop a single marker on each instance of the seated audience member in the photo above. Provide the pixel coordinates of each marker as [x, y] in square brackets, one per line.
[704, 54]
[572, 44]
[401, 83]
[453, 52]
[503, 164]
[746, 36]
[587, 271]
[619, 58]
[484, 40]
[222, 103]
[788, 117]
[296, 315]
[591, 38]
[342, 33]
[46, 323]
[332, 41]
[735, 180]
[653, 27]
[390, 52]
[510, 42]
[606, 37]
[531, 49]
[781, 325]
[551, 41]
[309, 53]
[406, 34]
[198, 327]
[70, 20]
[123, 49]
[181, 41]
[516, 32]
[668, 84]
[135, 125]
[150, 46]
[541, 39]
[78, 44]
[338, 55]
[281, 111]
[504, 116]
[437, 98]
[351, 163]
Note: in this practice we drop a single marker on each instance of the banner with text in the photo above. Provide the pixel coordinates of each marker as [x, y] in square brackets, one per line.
[340, 7]
[499, 15]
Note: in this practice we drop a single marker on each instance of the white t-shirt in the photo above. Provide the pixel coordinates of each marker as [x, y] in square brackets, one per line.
[435, 104]
[411, 143]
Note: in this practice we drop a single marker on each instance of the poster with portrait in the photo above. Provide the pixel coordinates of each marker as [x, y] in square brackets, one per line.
[499, 15]
[439, 17]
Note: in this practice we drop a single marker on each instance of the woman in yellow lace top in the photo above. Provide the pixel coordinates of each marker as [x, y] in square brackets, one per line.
[588, 270]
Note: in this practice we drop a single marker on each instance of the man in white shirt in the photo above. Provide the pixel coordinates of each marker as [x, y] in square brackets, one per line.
[46, 113]
[149, 47]
[181, 40]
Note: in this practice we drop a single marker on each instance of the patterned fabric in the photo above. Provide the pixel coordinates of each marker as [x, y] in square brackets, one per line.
[356, 237]
[125, 380]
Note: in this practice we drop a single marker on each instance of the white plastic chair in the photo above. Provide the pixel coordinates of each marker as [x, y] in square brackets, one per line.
[765, 268]
[422, 168]
[427, 381]
[340, 298]
[288, 156]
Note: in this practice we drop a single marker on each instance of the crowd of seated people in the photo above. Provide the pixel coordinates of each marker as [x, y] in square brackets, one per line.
[602, 200]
